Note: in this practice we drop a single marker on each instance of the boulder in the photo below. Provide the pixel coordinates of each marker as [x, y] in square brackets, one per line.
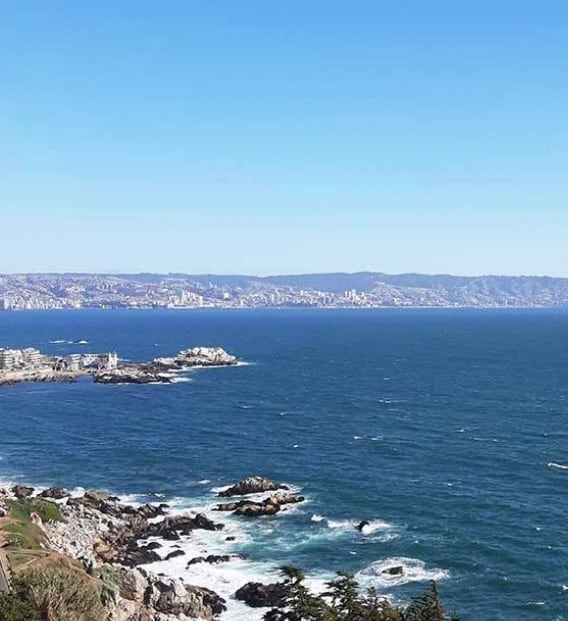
[252, 485]
[172, 597]
[172, 527]
[213, 559]
[269, 506]
[22, 491]
[147, 511]
[257, 595]
[174, 554]
[56, 493]
[396, 570]
[138, 555]
[133, 585]
[258, 509]
[362, 525]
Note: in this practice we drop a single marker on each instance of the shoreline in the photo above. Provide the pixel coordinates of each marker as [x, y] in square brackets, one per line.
[196, 554]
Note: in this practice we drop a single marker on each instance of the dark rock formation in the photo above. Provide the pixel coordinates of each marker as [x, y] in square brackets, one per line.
[256, 595]
[22, 491]
[174, 554]
[362, 525]
[56, 493]
[269, 506]
[396, 570]
[215, 558]
[252, 485]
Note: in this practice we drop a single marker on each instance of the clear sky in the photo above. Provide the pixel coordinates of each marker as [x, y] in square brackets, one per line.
[280, 136]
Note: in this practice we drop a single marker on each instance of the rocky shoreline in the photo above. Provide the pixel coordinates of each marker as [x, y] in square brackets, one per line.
[158, 371]
[104, 536]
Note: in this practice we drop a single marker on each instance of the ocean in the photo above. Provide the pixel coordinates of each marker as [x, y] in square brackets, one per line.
[446, 429]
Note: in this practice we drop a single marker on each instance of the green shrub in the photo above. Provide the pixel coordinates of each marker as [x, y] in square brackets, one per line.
[64, 593]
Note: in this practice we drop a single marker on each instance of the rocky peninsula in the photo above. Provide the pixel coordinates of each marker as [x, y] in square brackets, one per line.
[30, 365]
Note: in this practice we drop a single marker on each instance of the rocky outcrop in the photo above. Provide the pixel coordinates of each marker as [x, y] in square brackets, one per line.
[131, 375]
[257, 595]
[173, 597]
[251, 485]
[396, 570]
[205, 357]
[56, 493]
[160, 598]
[213, 559]
[269, 506]
[22, 491]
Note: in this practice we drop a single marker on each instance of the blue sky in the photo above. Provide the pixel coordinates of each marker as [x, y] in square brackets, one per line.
[241, 136]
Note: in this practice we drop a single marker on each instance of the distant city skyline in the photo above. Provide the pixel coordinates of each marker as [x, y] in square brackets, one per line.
[263, 138]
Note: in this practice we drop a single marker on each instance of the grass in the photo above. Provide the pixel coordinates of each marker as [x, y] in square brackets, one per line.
[24, 539]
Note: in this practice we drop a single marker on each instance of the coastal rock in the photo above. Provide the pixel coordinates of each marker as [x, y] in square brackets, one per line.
[268, 506]
[133, 585]
[258, 510]
[22, 491]
[362, 525]
[205, 357]
[147, 511]
[396, 570]
[213, 559]
[284, 498]
[172, 597]
[56, 493]
[138, 555]
[101, 501]
[180, 525]
[174, 554]
[131, 375]
[257, 595]
[252, 485]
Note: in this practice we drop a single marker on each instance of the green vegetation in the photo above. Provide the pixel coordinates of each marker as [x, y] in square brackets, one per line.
[17, 607]
[344, 602]
[108, 585]
[63, 592]
[20, 531]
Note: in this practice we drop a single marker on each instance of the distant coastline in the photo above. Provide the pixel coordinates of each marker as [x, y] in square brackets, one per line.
[339, 290]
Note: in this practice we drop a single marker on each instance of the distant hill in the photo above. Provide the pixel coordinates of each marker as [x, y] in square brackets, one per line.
[367, 289]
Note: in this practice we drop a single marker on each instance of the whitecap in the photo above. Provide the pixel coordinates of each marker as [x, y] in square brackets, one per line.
[557, 466]
[413, 570]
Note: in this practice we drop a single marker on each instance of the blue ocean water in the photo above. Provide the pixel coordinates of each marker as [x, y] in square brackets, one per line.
[446, 428]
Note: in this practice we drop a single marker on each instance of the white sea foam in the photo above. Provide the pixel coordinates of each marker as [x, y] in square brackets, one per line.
[342, 527]
[413, 570]
[204, 481]
[57, 342]
[557, 466]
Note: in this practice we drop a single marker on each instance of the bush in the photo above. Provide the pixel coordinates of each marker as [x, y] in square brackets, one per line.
[64, 593]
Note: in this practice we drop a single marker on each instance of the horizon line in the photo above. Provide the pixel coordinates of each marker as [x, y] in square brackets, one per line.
[118, 273]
